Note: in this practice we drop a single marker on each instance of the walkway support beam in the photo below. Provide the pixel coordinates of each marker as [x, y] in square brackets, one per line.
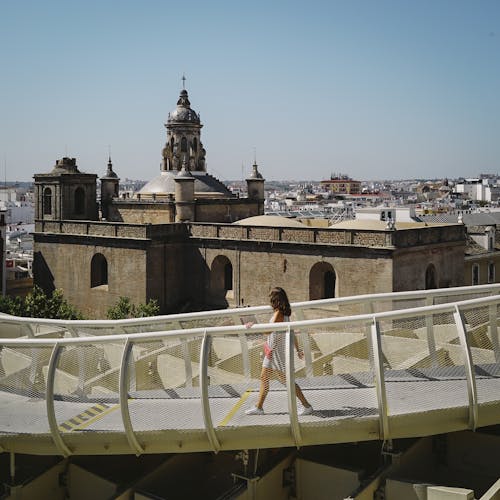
[290, 387]
[469, 368]
[205, 403]
[124, 408]
[49, 399]
[378, 369]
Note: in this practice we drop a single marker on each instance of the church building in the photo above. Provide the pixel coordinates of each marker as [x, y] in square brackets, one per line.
[185, 240]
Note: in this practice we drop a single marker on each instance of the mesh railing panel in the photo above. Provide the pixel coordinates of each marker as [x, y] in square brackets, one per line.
[23, 383]
[423, 364]
[86, 388]
[22, 370]
[481, 328]
[234, 379]
[163, 385]
[341, 377]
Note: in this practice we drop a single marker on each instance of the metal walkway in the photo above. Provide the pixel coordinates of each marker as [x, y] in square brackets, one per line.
[375, 368]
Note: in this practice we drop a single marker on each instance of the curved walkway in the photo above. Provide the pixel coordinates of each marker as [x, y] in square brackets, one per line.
[375, 367]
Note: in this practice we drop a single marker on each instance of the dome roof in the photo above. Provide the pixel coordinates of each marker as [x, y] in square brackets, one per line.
[183, 112]
[204, 184]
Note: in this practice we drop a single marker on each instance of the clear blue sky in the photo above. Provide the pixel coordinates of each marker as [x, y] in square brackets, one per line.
[370, 88]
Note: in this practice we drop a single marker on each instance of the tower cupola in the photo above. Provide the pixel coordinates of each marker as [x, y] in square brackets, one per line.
[183, 137]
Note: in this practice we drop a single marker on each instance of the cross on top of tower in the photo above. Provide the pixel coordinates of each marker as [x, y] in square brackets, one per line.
[183, 81]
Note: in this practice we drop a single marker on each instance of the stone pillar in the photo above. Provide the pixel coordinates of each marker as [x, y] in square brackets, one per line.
[184, 195]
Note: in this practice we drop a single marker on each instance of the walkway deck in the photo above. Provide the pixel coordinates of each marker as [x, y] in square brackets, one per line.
[402, 369]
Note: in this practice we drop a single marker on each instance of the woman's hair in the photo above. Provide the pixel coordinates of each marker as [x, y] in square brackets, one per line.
[279, 301]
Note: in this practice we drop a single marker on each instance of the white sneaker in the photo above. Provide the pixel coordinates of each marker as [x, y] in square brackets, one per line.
[306, 410]
[255, 411]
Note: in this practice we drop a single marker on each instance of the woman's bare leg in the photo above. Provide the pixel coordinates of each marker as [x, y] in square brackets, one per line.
[265, 374]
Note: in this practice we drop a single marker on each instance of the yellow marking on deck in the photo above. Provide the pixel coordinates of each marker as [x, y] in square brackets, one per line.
[235, 408]
[97, 417]
[86, 417]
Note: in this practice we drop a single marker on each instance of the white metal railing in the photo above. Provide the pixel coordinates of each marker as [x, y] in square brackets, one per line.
[425, 326]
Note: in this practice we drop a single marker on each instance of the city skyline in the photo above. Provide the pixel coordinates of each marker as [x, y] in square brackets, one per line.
[393, 89]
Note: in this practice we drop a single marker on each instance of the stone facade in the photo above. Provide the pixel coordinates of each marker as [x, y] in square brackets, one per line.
[186, 266]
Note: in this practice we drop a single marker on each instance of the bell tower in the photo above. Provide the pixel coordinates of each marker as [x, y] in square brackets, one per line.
[183, 137]
[65, 193]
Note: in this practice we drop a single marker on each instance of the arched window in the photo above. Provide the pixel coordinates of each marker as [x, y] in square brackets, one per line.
[195, 145]
[184, 145]
[322, 281]
[98, 270]
[47, 201]
[221, 280]
[430, 277]
[79, 201]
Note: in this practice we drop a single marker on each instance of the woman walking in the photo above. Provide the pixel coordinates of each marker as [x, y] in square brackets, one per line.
[274, 354]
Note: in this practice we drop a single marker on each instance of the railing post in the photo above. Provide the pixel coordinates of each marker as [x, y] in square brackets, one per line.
[49, 399]
[469, 368]
[429, 327]
[378, 369]
[205, 403]
[123, 393]
[290, 388]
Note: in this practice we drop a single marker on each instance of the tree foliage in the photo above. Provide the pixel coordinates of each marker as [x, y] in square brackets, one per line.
[124, 309]
[38, 304]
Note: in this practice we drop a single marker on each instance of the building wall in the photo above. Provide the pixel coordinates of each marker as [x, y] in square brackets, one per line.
[206, 210]
[410, 266]
[141, 213]
[231, 210]
[65, 263]
[483, 261]
[258, 268]
[188, 266]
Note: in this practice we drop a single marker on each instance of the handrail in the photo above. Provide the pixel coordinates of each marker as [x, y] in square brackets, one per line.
[366, 298]
[260, 327]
